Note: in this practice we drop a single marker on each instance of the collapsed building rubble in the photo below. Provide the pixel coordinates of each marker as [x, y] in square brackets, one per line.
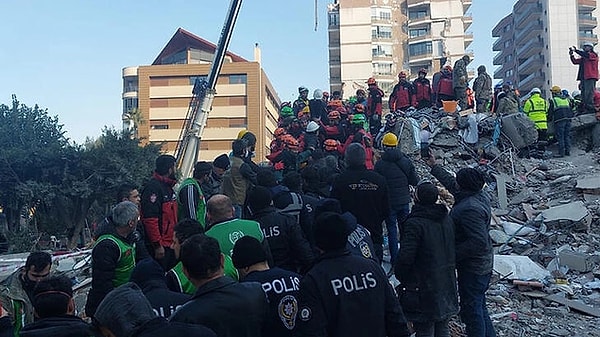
[545, 227]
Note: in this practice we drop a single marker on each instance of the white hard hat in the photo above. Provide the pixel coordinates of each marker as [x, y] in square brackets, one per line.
[576, 93]
[587, 43]
[312, 126]
[535, 90]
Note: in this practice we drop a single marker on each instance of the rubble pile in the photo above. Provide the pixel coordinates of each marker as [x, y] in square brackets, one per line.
[545, 226]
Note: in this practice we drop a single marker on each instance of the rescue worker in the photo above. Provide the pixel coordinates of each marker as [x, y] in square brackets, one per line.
[426, 263]
[239, 178]
[399, 173]
[341, 288]
[55, 311]
[159, 211]
[16, 291]
[318, 107]
[403, 94]
[482, 86]
[302, 105]
[281, 286]
[374, 97]
[359, 135]
[587, 75]
[363, 193]
[460, 80]
[191, 203]
[229, 308]
[212, 184]
[442, 86]
[289, 247]
[113, 255]
[507, 102]
[422, 90]
[561, 112]
[494, 103]
[536, 108]
[577, 106]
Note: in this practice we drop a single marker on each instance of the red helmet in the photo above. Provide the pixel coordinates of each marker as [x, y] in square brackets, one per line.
[291, 143]
[279, 132]
[330, 144]
[333, 115]
[359, 108]
[402, 74]
[448, 67]
[371, 80]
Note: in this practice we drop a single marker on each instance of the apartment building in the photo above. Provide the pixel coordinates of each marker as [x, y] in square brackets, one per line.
[156, 97]
[380, 38]
[532, 42]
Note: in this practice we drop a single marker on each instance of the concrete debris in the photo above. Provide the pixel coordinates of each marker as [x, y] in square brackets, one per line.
[575, 260]
[519, 268]
[512, 228]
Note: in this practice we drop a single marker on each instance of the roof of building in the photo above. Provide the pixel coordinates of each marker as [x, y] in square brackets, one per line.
[182, 39]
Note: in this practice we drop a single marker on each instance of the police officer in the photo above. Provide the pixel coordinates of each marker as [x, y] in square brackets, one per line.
[341, 288]
[280, 285]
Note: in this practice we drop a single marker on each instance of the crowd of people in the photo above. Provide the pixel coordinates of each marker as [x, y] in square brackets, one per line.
[294, 246]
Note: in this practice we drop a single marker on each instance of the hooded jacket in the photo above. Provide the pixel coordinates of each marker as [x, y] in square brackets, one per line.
[588, 65]
[359, 239]
[471, 215]
[61, 326]
[399, 172]
[16, 301]
[159, 210]
[425, 266]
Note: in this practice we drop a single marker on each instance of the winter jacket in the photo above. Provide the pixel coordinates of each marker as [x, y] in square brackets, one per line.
[191, 203]
[483, 86]
[506, 104]
[363, 193]
[460, 76]
[289, 247]
[347, 295]
[113, 260]
[425, 266]
[16, 301]
[560, 109]
[318, 110]
[367, 143]
[160, 327]
[471, 215]
[422, 90]
[159, 210]
[359, 239]
[6, 327]
[281, 287]
[139, 236]
[212, 185]
[399, 172]
[61, 326]
[374, 101]
[588, 65]
[228, 308]
[402, 97]
[536, 108]
[238, 180]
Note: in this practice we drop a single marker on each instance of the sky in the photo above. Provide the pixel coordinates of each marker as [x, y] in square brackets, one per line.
[67, 55]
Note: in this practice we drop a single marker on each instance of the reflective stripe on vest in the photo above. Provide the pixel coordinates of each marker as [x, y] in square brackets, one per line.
[126, 261]
[200, 208]
[184, 283]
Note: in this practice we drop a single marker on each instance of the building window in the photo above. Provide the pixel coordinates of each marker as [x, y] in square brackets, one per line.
[381, 32]
[160, 127]
[418, 32]
[385, 14]
[382, 68]
[334, 19]
[420, 49]
[507, 28]
[508, 58]
[508, 73]
[382, 50]
[129, 104]
[130, 85]
[177, 58]
[199, 78]
[417, 14]
[507, 43]
[200, 56]
[238, 79]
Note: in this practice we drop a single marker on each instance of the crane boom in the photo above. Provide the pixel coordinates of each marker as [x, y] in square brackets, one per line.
[203, 95]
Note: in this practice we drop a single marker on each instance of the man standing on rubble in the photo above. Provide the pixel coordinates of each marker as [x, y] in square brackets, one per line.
[460, 80]
[403, 95]
[587, 73]
[471, 215]
[536, 108]
[483, 89]
[561, 114]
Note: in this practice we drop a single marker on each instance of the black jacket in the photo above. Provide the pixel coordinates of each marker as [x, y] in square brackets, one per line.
[425, 266]
[471, 215]
[62, 326]
[228, 308]
[359, 239]
[399, 172]
[160, 327]
[281, 287]
[307, 218]
[363, 193]
[164, 301]
[318, 109]
[346, 295]
[289, 247]
[139, 236]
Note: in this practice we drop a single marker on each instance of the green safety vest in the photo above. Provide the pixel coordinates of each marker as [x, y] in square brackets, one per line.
[228, 232]
[187, 287]
[200, 208]
[126, 261]
[536, 111]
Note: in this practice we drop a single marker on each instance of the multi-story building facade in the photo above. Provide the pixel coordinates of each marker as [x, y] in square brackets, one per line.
[156, 97]
[380, 38]
[532, 42]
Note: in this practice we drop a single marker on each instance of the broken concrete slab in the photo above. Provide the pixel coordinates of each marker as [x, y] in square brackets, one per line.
[575, 305]
[512, 228]
[571, 212]
[499, 236]
[519, 268]
[590, 185]
[583, 121]
[575, 260]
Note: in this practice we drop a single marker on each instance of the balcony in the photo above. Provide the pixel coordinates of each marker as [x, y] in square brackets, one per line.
[587, 37]
[530, 12]
[468, 39]
[130, 71]
[531, 81]
[417, 3]
[419, 21]
[467, 20]
[499, 44]
[499, 59]
[417, 39]
[587, 21]
[420, 58]
[530, 48]
[466, 4]
[530, 31]
[530, 65]
[500, 30]
[586, 5]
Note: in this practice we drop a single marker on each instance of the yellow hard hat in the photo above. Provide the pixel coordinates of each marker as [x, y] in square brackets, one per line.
[243, 132]
[389, 139]
[555, 89]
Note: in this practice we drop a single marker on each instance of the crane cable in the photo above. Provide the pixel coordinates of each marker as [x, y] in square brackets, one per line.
[316, 14]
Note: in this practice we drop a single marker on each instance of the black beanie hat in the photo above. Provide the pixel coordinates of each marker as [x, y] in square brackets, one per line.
[259, 198]
[330, 231]
[222, 162]
[247, 251]
[201, 169]
[427, 194]
[470, 179]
